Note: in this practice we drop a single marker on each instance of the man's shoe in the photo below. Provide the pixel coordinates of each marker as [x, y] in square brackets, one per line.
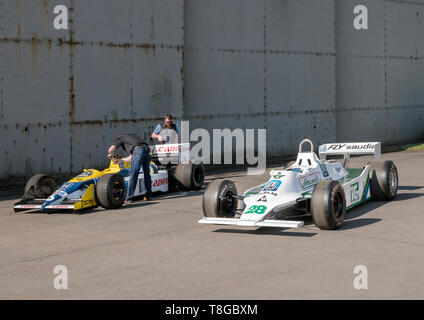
[147, 199]
[128, 201]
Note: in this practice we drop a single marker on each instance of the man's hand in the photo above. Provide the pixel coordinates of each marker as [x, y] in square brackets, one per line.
[110, 152]
[161, 139]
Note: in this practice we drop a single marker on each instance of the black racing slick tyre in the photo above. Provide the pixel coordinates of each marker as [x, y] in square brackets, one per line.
[190, 176]
[43, 184]
[383, 180]
[328, 205]
[111, 191]
[218, 200]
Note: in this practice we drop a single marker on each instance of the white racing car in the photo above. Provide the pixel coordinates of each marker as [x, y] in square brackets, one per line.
[312, 186]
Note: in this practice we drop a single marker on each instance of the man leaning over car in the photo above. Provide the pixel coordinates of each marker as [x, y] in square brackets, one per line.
[139, 157]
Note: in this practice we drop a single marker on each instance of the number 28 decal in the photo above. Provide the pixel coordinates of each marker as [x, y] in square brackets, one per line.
[256, 209]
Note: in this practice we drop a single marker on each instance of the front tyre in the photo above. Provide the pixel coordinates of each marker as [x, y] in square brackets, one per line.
[42, 186]
[111, 191]
[218, 200]
[383, 180]
[328, 205]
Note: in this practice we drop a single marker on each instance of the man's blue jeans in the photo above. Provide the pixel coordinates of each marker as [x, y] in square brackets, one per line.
[140, 159]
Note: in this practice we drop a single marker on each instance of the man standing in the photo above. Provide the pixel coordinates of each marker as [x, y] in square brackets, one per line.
[139, 155]
[166, 132]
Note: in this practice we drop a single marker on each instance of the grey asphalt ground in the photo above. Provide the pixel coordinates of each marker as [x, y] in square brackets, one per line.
[157, 250]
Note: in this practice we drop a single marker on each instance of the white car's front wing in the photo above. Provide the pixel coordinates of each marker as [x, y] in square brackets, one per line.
[247, 223]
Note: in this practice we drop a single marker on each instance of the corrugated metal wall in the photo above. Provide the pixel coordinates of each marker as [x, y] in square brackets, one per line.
[295, 67]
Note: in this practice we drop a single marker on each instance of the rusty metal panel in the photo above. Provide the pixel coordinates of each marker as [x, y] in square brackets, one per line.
[36, 84]
[405, 29]
[380, 73]
[405, 124]
[105, 97]
[34, 113]
[26, 19]
[129, 21]
[301, 25]
[157, 83]
[222, 83]
[223, 24]
[280, 77]
[66, 94]
[300, 83]
[369, 43]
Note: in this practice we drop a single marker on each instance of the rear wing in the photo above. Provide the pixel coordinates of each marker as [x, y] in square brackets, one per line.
[346, 149]
[180, 151]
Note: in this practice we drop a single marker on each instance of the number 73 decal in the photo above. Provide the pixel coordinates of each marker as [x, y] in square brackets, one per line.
[354, 192]
[256, 209]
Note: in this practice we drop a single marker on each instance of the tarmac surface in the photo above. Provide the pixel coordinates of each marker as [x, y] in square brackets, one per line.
[157, 250]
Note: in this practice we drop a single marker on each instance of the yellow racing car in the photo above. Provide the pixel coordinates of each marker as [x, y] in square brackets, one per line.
[108, 188]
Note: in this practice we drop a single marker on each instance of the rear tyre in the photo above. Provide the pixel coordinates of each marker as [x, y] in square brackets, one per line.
[111, 191]
[218, 200]
[190, 176]
[328, 205]
[383, 180]
[43, 184]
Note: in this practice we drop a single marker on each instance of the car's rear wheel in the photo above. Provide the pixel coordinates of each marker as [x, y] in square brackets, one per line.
[328, 205]
[111, 191]
[190, 176]
[41, 186]
[218, 200]
[384, 181]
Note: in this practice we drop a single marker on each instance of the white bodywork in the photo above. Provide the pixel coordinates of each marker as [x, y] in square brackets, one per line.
[286, 187]
[159, 182]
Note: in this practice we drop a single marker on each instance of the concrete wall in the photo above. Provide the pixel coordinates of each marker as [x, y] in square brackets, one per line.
[295, 67]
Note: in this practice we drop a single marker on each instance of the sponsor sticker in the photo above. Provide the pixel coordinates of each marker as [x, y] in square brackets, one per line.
[87, 203]
[169, 149]
[324, 169]
[270, 193]
[272, 185]
[263, 199]
[309, 180]
[278, 176]
[85, 174]
[160, 182]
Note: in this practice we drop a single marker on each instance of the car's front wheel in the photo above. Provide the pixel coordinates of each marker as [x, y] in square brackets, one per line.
[328, 205]
[41, 186]
[218, 200]
[111, 191]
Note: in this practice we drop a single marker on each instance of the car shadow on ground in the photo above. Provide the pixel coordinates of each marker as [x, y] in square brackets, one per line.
[229, 177]
[178, 194]
[407, 196]
[88, 211]
[137, 204]
[270, 231]
[409, 188]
